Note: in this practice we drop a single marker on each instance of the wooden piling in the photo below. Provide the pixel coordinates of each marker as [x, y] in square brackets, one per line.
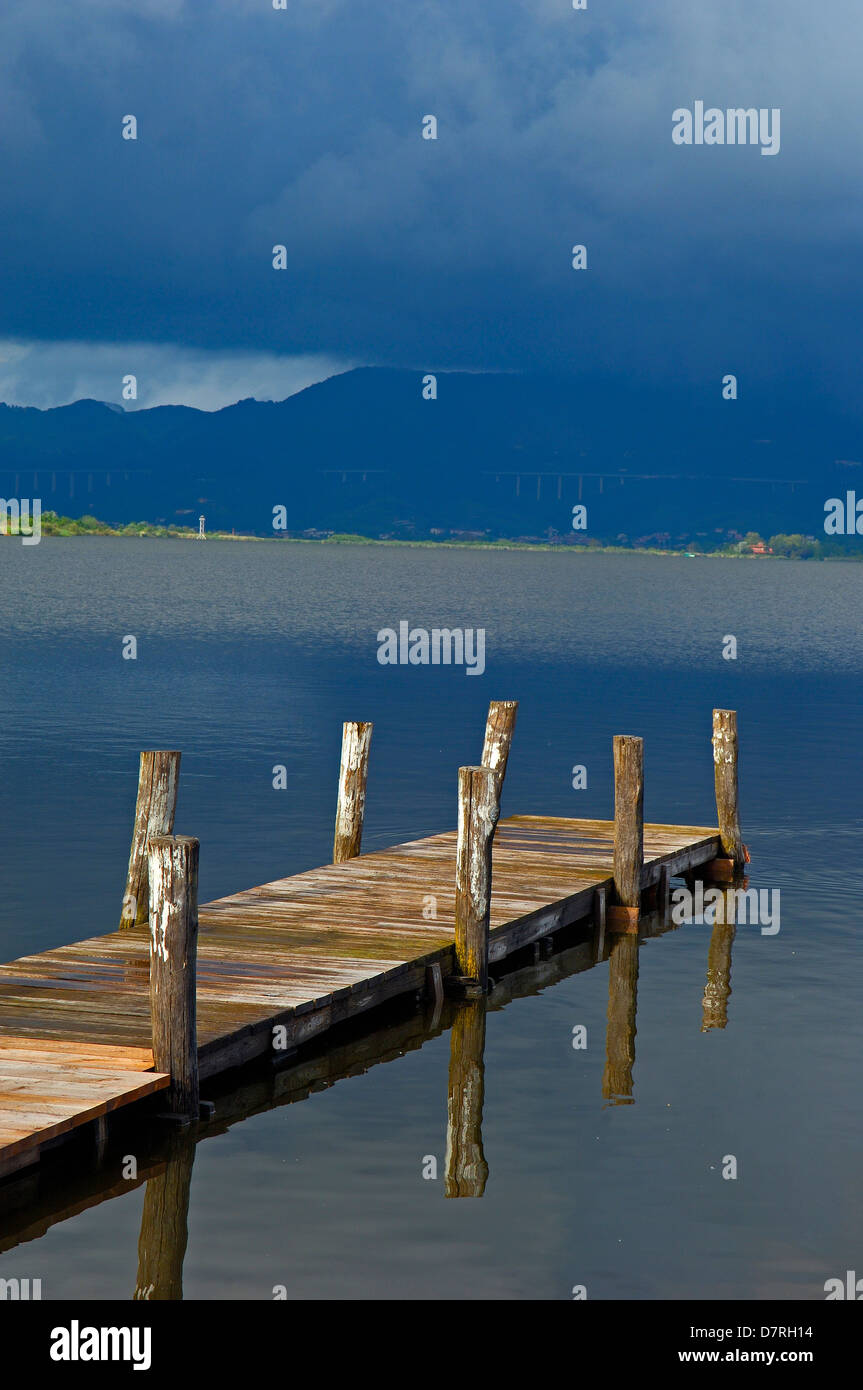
[478, 812]
[499, 729]
[353, 773]
[725, 750]
[173, 866]
[628, 832]
[154, 815]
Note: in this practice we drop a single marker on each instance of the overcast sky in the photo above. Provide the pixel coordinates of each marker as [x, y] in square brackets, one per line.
[302, 127]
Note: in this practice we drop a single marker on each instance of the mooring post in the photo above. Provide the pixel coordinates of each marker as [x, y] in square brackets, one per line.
[173, 863]
[353, 772]
[154, 815]
[478, 812]
[628, 832]
[725, 749]
[499, 729]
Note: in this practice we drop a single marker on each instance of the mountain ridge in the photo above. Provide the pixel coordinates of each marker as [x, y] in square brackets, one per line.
[363, 451]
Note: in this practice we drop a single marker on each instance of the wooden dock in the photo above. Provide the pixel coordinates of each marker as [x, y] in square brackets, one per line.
[281, 964]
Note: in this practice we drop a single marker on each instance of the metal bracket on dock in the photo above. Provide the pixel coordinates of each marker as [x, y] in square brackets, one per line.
[721, 870]
[622, 919]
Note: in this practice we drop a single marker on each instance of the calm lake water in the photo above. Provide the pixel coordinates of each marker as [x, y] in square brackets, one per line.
[253, 655]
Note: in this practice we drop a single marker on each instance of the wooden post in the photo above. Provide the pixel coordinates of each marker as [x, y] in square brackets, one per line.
[154, 815]
[478, 812]
[725, 778]
[628, 832]
[165, 1226]
[173, 966]
[499, 729]
[353, 773]
[466, 1168]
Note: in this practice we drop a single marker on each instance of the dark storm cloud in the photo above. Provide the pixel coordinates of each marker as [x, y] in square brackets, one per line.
[302, 127]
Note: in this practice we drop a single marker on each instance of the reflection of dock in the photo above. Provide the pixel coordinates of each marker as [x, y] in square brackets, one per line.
[266, 971]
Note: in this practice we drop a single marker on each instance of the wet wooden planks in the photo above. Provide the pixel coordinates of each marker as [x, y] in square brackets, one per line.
[306, 951]
[48, 1088]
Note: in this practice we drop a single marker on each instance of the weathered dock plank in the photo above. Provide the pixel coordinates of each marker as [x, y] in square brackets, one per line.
[48, 1089]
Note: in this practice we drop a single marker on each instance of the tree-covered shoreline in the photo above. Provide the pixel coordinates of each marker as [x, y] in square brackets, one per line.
[729, 546]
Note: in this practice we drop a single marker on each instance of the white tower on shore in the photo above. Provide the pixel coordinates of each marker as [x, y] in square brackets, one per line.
[202, 535]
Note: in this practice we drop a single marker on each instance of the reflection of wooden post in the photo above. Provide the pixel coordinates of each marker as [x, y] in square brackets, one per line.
[478, 812]
[725, 749]
[466, 1168]
[164, 1227]
[353, 773]
[620, 1035]
[173, 966]
[154, 815]
[717, 990]
[600, 908]
[499, 729]
[100, 1136]
[628, 832]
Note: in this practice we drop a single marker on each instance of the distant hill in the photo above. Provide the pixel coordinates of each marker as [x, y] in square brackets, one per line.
[364, 452]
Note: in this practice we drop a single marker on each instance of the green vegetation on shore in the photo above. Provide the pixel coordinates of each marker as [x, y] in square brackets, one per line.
[728, 545]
